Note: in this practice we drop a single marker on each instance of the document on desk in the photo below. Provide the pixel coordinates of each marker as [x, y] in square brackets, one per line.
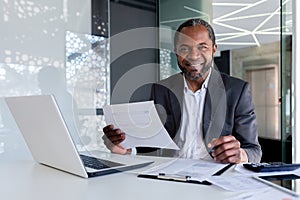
[141, 123]
[237, 183]
[197, 170]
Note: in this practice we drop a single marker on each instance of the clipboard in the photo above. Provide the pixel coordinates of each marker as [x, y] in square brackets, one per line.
[164, 177]
[184, 179]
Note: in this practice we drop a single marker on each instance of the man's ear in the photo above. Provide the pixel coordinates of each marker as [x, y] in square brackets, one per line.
[215, 46]
[175, 50]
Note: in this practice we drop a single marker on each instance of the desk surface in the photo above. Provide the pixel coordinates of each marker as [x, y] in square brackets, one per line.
[28, 180]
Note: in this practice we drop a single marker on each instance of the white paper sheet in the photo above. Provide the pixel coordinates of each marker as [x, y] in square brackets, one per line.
[141, 124]
[237, 183]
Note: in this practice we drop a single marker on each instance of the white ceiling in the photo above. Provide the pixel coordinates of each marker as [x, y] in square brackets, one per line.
[237, 23]
[245, 23]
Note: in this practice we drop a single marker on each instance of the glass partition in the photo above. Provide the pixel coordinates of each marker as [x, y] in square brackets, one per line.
[286, 80]
[47, 47]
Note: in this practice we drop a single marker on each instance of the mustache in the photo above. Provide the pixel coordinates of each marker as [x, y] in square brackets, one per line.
[202, 61]
[203, 71]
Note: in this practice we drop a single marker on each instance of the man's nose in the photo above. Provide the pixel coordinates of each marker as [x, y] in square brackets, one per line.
[194, 54]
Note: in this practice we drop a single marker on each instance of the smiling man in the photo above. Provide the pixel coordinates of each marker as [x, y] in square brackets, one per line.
[208, 114]
[194, 50]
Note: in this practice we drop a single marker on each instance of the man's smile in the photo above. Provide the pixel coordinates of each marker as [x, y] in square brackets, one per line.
[195, 65]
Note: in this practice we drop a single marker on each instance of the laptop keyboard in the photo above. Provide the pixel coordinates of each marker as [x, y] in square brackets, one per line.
[97, 163]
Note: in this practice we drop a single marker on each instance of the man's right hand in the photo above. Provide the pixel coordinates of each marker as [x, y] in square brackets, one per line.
[112, 138]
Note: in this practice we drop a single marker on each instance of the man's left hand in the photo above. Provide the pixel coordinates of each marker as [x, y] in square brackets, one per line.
[227, 150]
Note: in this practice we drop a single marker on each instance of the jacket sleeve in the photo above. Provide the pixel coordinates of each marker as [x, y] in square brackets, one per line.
[246, 125]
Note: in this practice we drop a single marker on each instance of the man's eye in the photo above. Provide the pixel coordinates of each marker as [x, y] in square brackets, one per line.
[183, 49]
[203, 47]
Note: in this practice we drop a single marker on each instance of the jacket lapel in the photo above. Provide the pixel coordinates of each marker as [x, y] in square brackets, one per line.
[176, 87]
[214, 108]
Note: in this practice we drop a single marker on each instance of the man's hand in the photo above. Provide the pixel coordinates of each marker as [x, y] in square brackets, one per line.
[227, 150]
[112, 138]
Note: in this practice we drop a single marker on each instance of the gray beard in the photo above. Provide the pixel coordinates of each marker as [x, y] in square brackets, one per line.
[196, 76]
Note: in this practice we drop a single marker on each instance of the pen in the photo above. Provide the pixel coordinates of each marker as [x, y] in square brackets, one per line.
[221, 171]
[212, 150]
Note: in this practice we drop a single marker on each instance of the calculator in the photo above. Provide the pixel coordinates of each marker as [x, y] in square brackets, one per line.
[271, 167]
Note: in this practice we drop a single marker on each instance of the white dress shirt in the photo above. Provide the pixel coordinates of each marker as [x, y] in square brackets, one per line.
[190, 137]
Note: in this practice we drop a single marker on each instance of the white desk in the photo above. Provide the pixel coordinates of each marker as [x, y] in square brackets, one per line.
[28, 180]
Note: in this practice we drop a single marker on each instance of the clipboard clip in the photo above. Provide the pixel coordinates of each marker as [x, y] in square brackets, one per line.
[173, 177]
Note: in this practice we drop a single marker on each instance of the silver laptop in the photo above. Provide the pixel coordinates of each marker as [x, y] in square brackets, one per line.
[49, 140]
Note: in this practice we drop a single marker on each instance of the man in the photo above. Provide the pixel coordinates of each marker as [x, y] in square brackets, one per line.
[208, 114]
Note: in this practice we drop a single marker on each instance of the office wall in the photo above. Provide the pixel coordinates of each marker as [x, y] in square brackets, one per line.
[137, 65]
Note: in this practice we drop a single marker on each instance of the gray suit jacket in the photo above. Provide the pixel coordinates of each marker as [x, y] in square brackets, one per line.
[228, 110]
